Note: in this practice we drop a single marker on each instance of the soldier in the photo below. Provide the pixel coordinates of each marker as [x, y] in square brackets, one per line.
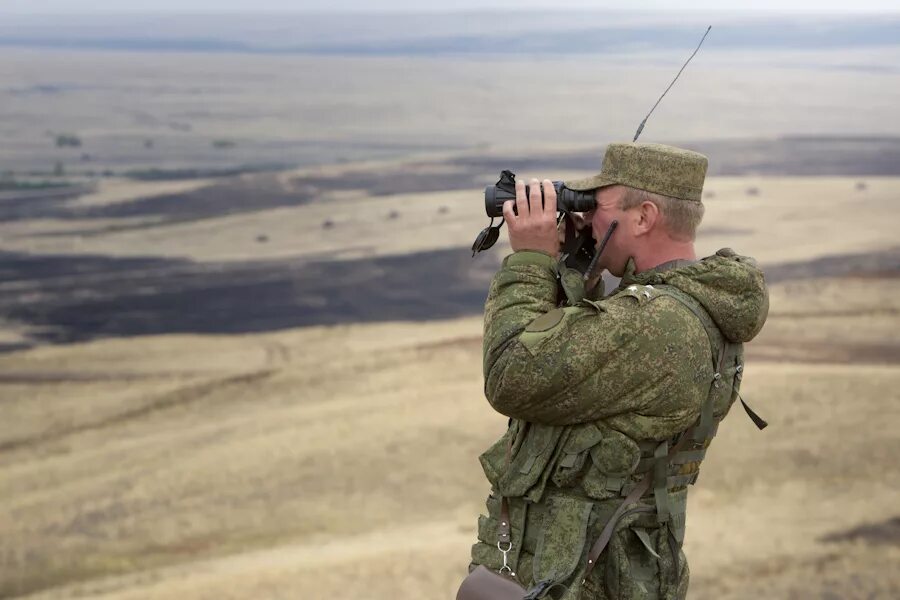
[613, 400]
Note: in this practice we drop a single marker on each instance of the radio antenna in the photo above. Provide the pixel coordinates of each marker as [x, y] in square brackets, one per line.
[644, 122]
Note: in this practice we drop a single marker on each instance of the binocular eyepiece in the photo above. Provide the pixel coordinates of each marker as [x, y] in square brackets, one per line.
[566, 200]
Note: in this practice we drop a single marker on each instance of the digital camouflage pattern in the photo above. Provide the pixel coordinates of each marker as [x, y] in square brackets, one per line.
[657, 168]
[592, 391]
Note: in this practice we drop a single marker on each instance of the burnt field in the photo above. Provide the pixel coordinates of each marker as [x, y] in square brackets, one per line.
[79, 298]
[72, 299]
[367, 243]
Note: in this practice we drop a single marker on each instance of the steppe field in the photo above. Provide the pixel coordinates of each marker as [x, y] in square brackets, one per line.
[253, 369]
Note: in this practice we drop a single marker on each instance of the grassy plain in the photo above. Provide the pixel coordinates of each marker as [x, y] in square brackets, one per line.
[340, 461]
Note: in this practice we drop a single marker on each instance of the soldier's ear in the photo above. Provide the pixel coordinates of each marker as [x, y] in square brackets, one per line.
[647, 218]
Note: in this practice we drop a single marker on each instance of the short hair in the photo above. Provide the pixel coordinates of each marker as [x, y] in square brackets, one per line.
[681, 217]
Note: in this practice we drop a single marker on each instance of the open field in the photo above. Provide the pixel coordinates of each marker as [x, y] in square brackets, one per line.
[240, 349]
[339, 461]
[235, 466]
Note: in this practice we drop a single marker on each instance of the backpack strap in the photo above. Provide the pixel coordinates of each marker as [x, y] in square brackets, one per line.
[719, 344]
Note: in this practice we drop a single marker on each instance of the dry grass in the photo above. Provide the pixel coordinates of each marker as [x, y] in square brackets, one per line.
[340, 462]
[173, 484]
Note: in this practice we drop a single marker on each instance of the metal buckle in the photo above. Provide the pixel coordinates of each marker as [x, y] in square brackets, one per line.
[505, 568]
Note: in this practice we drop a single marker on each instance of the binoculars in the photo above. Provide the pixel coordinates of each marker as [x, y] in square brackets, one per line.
[566, 200]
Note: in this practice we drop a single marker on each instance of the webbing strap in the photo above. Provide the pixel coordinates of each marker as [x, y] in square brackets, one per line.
[701, 432]
[606, 534]
[660, 473]
[504, 529]
[716, 348]
[757, 420]
[688, 456]
[674, 547]
[682, 480]
[718, 344]
[682, 458]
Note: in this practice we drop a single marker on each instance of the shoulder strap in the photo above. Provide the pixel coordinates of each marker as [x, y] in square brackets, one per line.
[504, 529]
[718, 344]
[717, 341]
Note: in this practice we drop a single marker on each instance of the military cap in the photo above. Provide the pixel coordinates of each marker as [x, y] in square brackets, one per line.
[656, 168]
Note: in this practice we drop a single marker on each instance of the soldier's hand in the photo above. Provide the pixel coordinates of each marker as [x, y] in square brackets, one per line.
[534, 227]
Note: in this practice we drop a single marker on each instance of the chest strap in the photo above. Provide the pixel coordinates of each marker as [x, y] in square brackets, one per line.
[623, 510]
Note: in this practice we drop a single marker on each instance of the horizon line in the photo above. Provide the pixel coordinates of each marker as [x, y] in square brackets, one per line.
[442, 10]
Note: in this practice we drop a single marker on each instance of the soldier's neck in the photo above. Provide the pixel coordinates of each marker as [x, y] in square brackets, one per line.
[657, 254]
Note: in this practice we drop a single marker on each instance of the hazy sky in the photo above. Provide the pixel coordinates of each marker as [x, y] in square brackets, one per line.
[119, 6]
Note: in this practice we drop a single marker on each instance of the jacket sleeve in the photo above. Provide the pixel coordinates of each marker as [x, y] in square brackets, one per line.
[580, 363]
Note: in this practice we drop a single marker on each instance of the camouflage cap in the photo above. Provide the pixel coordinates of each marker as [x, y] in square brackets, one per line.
[656, 168]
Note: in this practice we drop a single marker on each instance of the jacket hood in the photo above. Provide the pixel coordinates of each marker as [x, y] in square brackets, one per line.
[729, 286]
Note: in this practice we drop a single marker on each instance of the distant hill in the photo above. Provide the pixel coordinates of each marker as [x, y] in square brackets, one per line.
[447, 34]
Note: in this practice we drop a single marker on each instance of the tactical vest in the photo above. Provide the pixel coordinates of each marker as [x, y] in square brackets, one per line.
[563, 483]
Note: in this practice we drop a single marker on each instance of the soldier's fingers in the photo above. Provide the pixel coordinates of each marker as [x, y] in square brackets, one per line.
[508, 214]
[521, 200]
[535, 197]
[549, 198]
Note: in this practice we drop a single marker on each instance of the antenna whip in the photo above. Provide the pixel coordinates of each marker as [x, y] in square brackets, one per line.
[644, 122]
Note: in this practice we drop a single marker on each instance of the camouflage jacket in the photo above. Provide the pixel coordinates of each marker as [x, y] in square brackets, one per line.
[592, 390]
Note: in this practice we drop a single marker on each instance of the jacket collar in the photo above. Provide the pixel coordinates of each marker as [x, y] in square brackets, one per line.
[650, 275]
